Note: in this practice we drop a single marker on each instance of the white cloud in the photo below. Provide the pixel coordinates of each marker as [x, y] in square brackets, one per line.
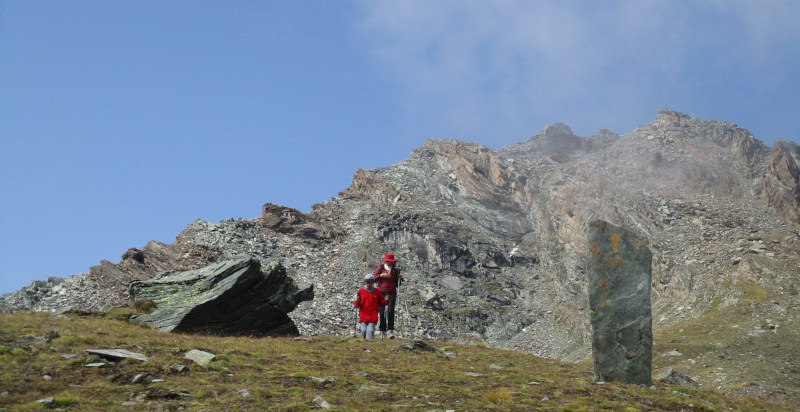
[766, 28]
[483, 68]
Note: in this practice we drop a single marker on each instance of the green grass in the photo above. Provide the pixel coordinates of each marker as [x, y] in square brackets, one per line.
[286, 374]
[734, 349]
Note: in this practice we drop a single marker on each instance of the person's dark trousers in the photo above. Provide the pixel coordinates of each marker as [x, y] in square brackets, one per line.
[387, 312]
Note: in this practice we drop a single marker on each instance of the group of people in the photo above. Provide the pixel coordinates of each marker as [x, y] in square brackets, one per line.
[376, 300]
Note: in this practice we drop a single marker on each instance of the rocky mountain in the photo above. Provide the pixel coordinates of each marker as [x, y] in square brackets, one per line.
[493, 242]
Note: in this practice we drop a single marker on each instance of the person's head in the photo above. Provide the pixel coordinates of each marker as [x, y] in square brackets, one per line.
[389, 259]
[369, 281]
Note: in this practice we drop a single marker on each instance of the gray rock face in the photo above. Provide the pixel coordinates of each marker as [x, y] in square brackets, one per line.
[619, 298]
[232, 297]
[782, 180]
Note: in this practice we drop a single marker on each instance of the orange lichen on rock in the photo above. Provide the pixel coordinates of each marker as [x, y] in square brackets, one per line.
[614, 261]
[615, 239]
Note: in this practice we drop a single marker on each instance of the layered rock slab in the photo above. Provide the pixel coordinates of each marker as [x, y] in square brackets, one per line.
[231, 297]
[619, 298]
[782, 180]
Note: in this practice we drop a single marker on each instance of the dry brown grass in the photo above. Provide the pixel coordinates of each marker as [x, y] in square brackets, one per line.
[286, 374]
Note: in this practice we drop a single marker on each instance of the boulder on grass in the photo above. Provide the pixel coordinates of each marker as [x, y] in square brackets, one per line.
[232, 297]
[675, 377]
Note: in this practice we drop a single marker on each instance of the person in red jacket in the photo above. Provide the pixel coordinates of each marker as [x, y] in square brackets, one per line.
[368, 300]
[387, 277]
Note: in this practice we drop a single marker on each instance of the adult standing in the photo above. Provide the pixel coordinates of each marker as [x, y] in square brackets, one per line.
[387, 277]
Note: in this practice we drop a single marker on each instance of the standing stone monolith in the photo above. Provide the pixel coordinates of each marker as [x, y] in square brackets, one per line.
[619, 299]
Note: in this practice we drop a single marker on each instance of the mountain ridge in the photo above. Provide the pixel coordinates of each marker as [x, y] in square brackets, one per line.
[494, 241]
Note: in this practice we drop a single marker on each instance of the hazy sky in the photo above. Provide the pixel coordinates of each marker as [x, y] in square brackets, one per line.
[123, 121]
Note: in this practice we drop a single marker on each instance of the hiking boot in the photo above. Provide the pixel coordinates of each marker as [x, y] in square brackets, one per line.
[391, 334]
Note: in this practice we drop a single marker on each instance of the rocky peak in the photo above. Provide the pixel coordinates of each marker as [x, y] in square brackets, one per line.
[603, 139]
[555, 141]
[694, 135]
[448, 147]
[554, 131]
[667, 118]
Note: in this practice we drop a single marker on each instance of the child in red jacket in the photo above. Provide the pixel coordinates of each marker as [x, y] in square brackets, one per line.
[367, 301]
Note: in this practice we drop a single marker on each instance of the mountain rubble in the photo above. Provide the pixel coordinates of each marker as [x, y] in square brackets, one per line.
[493, 242]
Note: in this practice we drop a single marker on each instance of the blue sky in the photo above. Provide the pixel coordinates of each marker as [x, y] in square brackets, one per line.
[122, 122]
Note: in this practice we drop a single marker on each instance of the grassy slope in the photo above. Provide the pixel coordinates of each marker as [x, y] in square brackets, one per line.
[287, 374]
[750, 347]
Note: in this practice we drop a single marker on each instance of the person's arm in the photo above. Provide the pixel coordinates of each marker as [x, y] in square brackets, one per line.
[357, 302]
[381, 273]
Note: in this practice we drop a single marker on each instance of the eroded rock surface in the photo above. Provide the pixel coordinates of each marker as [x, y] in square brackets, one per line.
[782, 180]
[232, 297]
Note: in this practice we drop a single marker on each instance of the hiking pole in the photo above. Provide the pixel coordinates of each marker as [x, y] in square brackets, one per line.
[408, 315]
[397, 301]
[399, 315]
[355, 331]
[405, 305]
[355, 315]
[385, 313]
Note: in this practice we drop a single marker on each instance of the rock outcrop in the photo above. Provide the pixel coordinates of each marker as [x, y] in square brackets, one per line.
[782, 180]
[232, 297]
[619, 299]
[280, 218]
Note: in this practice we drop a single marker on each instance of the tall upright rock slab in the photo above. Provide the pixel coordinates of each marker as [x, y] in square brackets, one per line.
[232, 297]
[619, 298]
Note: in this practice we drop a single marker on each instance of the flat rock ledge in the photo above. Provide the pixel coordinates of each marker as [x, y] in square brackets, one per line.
[231, 297]
[117, 354]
